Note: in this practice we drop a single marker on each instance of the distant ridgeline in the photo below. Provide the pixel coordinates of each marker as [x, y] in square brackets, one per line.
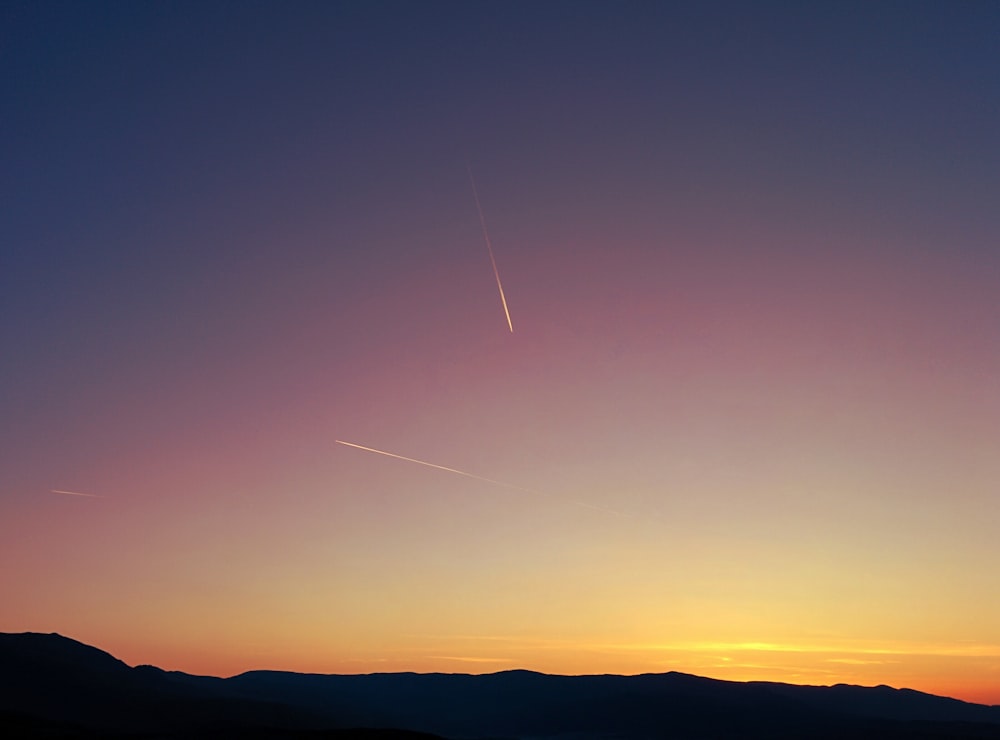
[55, 687]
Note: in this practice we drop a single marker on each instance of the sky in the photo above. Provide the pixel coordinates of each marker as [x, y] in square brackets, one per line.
[743, 422]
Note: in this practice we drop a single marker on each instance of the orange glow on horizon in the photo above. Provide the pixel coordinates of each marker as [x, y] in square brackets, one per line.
[750, 418]
[936, 669]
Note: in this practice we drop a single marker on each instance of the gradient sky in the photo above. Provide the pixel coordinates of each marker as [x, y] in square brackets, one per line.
[751, 253]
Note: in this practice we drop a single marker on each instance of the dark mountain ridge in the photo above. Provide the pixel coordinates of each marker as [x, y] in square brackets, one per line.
[52, 686]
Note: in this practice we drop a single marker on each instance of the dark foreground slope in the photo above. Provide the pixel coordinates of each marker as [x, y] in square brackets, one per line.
[54, 687]
[51, 686]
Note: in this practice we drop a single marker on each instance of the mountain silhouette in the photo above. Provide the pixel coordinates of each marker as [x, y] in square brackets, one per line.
[52, 686]
[55, 687]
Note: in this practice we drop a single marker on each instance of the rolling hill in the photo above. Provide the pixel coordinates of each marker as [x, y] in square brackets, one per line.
[55, 687]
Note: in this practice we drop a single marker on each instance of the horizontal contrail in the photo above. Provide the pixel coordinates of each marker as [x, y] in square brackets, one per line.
[583, 504]
[489, 246]
[432, 465]
[76, 493]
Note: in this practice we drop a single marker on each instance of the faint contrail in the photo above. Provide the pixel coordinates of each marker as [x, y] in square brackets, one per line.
[76, 493]
[584, 504]
[489, 246]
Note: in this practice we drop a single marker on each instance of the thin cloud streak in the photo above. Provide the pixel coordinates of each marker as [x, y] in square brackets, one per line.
[76, 493]
[891, 649]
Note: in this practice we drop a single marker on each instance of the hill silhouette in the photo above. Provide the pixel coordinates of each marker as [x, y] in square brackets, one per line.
[52, 686]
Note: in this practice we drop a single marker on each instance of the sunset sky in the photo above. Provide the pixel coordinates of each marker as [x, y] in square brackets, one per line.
[746, 424]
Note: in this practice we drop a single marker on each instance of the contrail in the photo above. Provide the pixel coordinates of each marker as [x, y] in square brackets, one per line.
[489, 246]
[76, 493]
[583, 504]
[439, 467]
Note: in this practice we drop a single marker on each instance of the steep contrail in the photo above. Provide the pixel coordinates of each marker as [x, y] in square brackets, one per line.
[76, 493]
[489, 246]
[584, 504]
